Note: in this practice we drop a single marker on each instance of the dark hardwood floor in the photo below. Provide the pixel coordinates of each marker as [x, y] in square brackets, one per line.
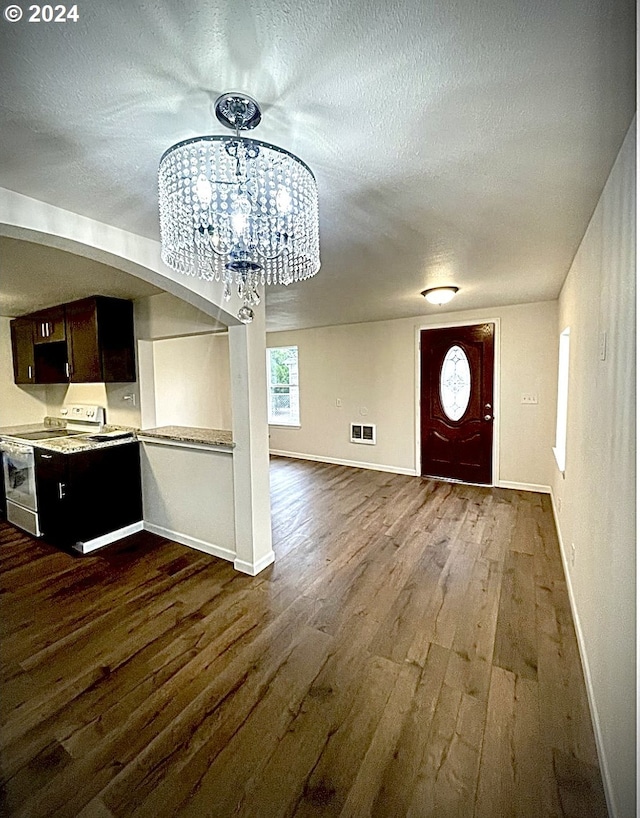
[411, 653]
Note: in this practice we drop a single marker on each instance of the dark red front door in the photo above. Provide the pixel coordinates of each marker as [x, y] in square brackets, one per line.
[456, 402]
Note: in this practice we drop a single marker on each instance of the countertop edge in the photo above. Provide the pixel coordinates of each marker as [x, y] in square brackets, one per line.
[213, 438]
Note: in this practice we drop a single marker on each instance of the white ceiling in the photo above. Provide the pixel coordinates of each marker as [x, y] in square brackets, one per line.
[452, 141]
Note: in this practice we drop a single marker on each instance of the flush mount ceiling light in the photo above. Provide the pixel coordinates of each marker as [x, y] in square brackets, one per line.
[237, 209]
[439, 295]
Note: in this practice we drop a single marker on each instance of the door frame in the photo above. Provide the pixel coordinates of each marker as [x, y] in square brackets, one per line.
[495, 469]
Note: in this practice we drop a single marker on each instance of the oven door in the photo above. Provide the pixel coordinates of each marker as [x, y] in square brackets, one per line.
[19, 475]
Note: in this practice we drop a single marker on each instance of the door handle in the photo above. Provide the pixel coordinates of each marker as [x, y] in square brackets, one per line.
[488, 417]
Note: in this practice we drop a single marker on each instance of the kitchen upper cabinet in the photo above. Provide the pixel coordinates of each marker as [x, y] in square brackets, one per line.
[49, 325]
[86, 341]
[100, 340]
[24, 368]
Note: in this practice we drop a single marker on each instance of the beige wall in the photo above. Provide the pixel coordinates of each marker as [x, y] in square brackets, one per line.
[595, 501]
[111, 395]
[188, 496]
[18, 404]
[192, 381]
[372, 368]
[165, 316]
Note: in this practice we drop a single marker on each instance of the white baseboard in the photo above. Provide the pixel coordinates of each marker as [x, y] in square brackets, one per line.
[106, 539]
[192, 542]
[336, 461]
[510, 484]
[253, 568]
[602, 758]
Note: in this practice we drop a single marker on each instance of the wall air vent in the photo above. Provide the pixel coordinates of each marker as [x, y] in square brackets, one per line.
[363, 433]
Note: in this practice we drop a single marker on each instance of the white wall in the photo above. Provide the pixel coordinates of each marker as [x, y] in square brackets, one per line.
[372, 367]
[192, 381]
[22, 403]
[595, 502]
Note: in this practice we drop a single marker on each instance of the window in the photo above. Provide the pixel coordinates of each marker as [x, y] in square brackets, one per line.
[284, 393]
[560, 449]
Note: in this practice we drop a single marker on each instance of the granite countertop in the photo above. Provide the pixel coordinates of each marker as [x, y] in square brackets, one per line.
[81, 442]
[68, 445]
[191, 434]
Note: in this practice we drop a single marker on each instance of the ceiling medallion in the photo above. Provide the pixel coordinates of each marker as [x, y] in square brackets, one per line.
[439, 295]
[237, 209]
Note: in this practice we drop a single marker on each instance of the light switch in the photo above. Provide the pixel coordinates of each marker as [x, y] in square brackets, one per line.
[603, 346]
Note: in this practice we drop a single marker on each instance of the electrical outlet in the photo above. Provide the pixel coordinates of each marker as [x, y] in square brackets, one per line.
[339, 402]
[529, 398]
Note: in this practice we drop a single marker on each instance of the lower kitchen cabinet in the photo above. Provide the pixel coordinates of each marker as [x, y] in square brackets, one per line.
[84, 495]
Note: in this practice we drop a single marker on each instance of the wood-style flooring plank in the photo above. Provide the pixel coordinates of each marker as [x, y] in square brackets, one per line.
[410, 653]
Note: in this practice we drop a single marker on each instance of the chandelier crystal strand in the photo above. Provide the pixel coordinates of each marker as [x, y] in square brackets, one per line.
[238, 210]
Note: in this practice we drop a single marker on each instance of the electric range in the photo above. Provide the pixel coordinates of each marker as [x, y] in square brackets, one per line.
[19, 460]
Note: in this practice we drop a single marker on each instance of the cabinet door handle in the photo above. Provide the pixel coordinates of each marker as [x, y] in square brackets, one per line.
[68, 370]
[42, 330]
[47, 456]
[61, 490]
[29, 372]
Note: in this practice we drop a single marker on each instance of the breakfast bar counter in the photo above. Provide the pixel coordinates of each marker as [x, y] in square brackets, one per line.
[189, 434]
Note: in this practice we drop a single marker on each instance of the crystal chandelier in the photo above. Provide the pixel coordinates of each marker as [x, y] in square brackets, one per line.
[238, 210]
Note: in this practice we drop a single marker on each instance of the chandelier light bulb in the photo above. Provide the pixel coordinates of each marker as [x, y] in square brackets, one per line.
[203, 190]
[283, 200]
[240, 211]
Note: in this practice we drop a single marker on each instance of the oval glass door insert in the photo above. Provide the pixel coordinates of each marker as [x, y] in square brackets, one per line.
[455, 383]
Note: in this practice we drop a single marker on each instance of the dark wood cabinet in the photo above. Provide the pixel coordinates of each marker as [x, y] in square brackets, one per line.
[51, 488]
[84, 495]
[86, 341]
[24, 368]
[100, 340]
[49, 325]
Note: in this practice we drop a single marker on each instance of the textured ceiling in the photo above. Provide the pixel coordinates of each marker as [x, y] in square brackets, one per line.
[453, 142]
